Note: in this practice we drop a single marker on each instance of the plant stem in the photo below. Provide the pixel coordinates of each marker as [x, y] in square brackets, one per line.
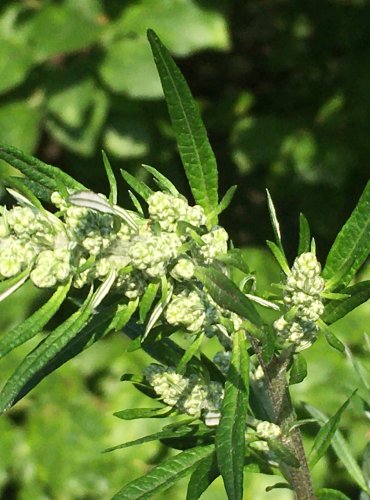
[285, 417]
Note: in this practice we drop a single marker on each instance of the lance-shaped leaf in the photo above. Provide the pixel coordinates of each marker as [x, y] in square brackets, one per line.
[204, 474]
[230, 440]
[111, 179]
[341, 449]
[36, 170]
[325, 435]
[138, 186]
[162, 181]
[163, 476]
[227, 294]
[298, 371]
[226, 199]
[352, 245]
[16, 387]
[134, 413]
[164, 434]
[10, 285]
[35, 323]
[194, 147]
[304, 235]
[357, 295]
[274, 221]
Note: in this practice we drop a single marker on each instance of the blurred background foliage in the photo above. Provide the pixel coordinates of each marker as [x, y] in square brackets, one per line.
[283, 88]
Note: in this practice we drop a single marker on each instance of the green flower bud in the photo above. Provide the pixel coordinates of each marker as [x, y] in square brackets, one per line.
[268, 430]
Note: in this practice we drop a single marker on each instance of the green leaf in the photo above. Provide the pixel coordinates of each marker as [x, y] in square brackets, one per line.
[138, 186]
[10, 285]
[230, 440]
[279, 256]
[35, 323]
[304, 235]
[227, 294]
[147, 300]
[341, 449]
[17, 385]
[274, 221]
[189, 353]
[59, 29]
[283, 453]
[164, 183]
[226, 199]
[183, 431]
[235, 258]
[336, 309]
[195, 151]
[15, 62]
[111, 179]
[164, 475]
[17, 184]
[298, 371]
[325, 435]
[204, 474]
[330, 494]
[20, 122]
[352, 245]
[134, 413]
[37, 170]
[331, 339]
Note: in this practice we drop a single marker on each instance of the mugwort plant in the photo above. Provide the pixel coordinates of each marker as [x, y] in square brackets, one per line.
[167, 275]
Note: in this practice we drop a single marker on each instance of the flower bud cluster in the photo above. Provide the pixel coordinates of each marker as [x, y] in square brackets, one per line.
[302, 299]
[268, 430]
[24, 231]
[190, 395]
[168, 210]
[86, 244]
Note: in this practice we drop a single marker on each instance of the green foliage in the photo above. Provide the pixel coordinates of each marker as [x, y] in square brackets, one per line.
[230, 442]
[242, 329]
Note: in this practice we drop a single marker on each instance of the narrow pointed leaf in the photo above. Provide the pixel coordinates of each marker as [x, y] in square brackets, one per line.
[336, 309]
[298, 371]
[134, 413]
[274, 221]
[138, 186]
[147, 300]
[35, 323]
[37, 170]
[89, 199]
[325, 435]
[352, 245]
[279, 256]
[204, 474]
[136, 203]
[283, 453]
[226, 199]
[14, 388]
[227, 294]
[341, 449]
[189, 353]
[20, 187]
[163, 476]
[331, 339]
[195, 151]
[10, 285]
[304, 235]
[111, 179]
[230, 440]
[164, 183]
[235, 258]
[164, 434]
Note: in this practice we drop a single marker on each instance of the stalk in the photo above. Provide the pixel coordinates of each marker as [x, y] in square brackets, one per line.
[285, 417]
